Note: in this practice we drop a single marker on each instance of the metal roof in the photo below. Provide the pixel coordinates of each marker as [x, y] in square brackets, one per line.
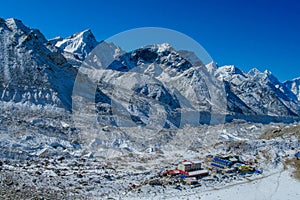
[191, 162]
[198, 172]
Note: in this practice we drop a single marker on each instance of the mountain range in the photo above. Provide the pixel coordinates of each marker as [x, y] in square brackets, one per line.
[152, 86]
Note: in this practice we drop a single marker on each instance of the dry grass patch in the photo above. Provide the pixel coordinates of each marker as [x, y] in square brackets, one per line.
[279, 132]
[295, 163]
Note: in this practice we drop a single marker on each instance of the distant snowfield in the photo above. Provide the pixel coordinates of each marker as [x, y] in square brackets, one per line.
[274, 186]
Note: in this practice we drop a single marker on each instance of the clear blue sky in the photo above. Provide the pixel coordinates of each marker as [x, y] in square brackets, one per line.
[257, 33]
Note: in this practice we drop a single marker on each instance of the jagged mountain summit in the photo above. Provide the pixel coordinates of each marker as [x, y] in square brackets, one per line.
[149, 85]
[76, 47]
[257, 93]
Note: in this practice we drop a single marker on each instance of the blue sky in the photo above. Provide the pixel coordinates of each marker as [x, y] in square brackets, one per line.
[259, 33]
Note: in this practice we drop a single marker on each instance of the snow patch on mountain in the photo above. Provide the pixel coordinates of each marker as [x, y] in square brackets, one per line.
[294, 86]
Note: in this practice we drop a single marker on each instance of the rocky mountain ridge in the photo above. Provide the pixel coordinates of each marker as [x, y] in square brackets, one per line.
[148, 83]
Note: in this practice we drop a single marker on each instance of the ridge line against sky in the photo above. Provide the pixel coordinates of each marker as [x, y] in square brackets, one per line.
[260, 33]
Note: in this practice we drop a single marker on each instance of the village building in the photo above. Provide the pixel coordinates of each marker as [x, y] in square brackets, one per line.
[189, 166]
[221, 163]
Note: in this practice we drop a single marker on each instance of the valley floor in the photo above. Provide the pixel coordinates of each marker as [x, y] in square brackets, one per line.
[41, 159]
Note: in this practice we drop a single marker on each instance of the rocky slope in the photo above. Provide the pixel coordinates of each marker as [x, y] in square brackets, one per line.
[33, 71]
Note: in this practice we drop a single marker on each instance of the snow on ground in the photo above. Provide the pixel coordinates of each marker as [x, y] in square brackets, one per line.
[41, 157]
[275, 186]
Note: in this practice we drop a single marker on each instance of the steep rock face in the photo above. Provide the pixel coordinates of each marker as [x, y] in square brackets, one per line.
[257, 93]
[153, 84]
[32, 70]
[294, 86]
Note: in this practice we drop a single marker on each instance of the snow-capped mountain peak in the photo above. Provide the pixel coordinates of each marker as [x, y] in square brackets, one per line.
[211, 67]
[224, 72]
[267, 72]
[271, 77]
[254, 72]
[79, 44]
[232, 69]
[163, 47]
